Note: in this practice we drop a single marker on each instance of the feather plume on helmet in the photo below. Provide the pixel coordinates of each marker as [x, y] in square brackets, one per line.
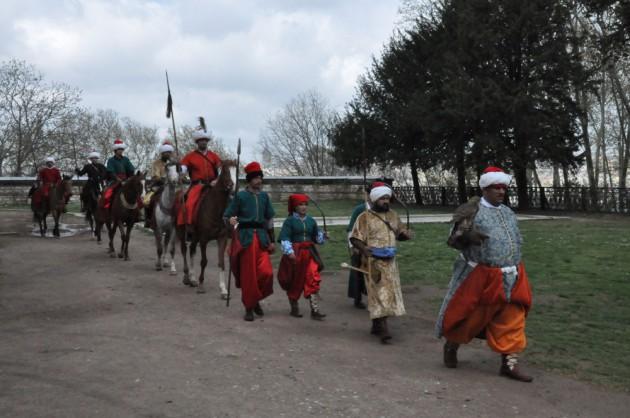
[202, 131]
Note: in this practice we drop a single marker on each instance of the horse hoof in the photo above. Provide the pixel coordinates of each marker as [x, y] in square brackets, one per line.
[201, 289]
[224, 296]
[186, 281]
[120, 255]
[166, 264]
[112, 255]
[127, 259]
[158, 268]
[193, 283]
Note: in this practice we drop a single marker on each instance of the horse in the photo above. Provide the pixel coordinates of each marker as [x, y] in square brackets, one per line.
[124, 212]
[89, 200]
[54, 204]
[164, 220]
[209, 225]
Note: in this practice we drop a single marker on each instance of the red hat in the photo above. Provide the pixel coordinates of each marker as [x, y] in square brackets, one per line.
[296, 200]
[119, 144]
[252, 170]
[378, 184]
[492, 169]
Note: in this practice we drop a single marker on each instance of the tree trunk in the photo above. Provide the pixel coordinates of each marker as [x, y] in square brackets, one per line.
[461, 173]
[416, 182]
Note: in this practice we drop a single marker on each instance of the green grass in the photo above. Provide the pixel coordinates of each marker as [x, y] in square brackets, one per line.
[580, 275]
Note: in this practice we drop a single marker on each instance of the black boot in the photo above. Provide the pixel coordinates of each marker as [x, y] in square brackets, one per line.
[258, 310]
[358, 303]
[450, 354]
[295, 309]
[249, 315]
[509, 368]
[377, 329]
[385, 335]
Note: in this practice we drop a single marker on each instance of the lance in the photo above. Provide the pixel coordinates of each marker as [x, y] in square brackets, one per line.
[170, 114]
[238, 162]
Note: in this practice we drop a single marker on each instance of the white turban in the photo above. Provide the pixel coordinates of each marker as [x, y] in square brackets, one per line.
[379, 192]
[166, 147]
[493, 175]
[200, 134]
[94, 154]
[49, 160]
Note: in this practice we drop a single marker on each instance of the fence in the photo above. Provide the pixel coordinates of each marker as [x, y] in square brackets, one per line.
[572, 199]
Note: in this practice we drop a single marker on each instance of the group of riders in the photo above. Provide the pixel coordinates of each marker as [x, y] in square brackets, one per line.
[488, 297]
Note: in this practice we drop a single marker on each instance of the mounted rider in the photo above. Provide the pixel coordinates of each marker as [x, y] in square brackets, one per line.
[202, 166]
[97, 175]
[47, 176]
[119, 169]
[157, 181]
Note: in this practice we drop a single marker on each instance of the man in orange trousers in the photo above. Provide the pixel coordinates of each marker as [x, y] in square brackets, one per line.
[489, 295]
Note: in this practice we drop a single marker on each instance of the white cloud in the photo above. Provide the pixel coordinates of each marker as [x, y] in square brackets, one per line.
[237, 63]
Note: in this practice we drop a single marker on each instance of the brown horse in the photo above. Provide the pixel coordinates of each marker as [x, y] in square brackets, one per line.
[122, 214]
[89, 199]
[54, 204]
[208, 226]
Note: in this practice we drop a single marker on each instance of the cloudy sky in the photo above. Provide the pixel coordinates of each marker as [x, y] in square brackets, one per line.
[237, 62]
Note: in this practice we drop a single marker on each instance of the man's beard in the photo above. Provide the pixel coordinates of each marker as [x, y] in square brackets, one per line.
[381, 208]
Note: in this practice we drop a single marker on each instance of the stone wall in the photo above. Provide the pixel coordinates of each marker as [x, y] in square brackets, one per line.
[14, 190]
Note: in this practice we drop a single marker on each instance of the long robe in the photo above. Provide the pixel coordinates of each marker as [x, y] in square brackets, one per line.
[383, 283]
[356, 282]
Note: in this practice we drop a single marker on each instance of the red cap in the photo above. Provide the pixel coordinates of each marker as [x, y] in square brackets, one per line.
[378, 184]
[118, 141]
[252, 167]
[296, 200]
[492, 169]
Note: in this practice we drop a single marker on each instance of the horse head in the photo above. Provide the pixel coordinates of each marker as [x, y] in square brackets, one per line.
[133, 185]
[225, 182]
[172, 175]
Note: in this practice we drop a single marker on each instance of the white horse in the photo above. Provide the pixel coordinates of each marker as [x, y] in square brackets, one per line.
[165, 219]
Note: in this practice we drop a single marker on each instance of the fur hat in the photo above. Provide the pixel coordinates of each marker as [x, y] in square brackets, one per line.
[252, 170]
[166, 147]
[494, 175]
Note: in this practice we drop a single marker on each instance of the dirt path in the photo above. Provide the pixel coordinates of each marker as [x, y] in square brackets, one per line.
[84, 335]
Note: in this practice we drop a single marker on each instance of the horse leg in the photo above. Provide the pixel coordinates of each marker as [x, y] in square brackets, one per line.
[204, 262]
[157, 233]
[172, 241]
[45, 224]
[121, 228]
[127, 238]
[111, 231]
[184, 251]
[56, 214]
[192, 253]
[221, 246]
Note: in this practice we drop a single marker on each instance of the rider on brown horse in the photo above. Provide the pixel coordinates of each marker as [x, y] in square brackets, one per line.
[119, 168]
[97, 174]
[202, 166]
[47, 176]
[156, 184]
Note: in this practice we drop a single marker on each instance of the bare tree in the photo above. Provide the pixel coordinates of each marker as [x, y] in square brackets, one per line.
[296, 140]
[33, 110]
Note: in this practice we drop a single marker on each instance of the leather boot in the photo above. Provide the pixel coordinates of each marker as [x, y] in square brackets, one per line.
[258, 310]
[315, 313]
[249, 315]
[509, 368]
[295, 309]
[376, 327]
[450, 354]
[358, 303]
[385, 335]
